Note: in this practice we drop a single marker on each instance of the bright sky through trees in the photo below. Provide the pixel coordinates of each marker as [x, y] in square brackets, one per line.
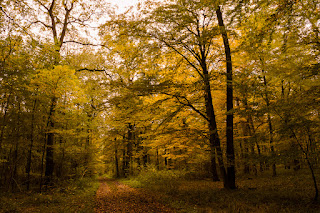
[123, 4]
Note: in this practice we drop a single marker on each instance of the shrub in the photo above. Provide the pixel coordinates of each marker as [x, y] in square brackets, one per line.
[164, 180]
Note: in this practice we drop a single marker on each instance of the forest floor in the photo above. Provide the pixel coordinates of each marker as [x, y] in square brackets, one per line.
[114, 196]
[290, 192]
[70, 196]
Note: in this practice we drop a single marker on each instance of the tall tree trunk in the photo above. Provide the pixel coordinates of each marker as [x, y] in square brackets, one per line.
[87, 156]
[3, 174]
[50, 142]
[123, 162]
[59, 169]
[3, 124]
[310, 165]
[256, 141]
[130, 148]
[29, 159]
[128, 151]
[274, 171]
[230, 183]
[42, 162]
[58, 41]
[116, 158]
[16, 150]
[212, 126]
[251, 132]
[215, 176]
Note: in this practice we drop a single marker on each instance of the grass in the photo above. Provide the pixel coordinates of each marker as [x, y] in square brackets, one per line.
[288, 192]
[74, 196]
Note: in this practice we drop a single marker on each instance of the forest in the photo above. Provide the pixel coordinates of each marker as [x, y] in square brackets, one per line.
[203, 101]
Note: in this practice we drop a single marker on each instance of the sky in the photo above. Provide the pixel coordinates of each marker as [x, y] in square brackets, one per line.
[123, 4]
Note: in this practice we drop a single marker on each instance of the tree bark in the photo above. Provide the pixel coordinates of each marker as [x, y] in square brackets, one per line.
[230, 180]
[274, 171]
[15, 159]
[212, 126]
[128, 152]
[29, 159]
[50, 142]
[116, 158]
[58, 41]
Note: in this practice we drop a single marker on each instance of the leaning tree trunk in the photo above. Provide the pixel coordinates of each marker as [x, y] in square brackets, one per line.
[230, 180]
[212, 126]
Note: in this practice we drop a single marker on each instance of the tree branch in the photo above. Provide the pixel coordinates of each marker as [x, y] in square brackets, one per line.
[94, 70]
[87, 44]
[177, 51]
[178, 97]
[4, 12]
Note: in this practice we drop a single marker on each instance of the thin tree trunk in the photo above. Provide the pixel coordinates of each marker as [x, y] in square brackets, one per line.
[157, 159]
[87, 150]
[4, 120]
[124, 162]
[274, 171]
[128, 153]
[59, 169]
[2, 131]
[250, 133]
[15, 160]
[256, 142]
[230, 183]
[130, 148]
[316, 195]
[42, 162]
[116, 161]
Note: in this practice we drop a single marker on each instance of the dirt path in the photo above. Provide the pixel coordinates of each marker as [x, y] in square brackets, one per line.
[113, 196]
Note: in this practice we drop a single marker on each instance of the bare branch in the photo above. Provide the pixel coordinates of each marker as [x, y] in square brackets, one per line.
[41, 22]
[91, 70]
[11, 19]
[43, 5]
[87, 44]
[95, 70]
[177, 51]
[188, 103]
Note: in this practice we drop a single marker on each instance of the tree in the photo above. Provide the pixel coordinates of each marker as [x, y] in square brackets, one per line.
[283, 51]
[187, 29]
[230, 182]
[61, 16]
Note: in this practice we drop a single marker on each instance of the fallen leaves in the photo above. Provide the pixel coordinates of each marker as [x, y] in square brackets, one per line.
[113, 196]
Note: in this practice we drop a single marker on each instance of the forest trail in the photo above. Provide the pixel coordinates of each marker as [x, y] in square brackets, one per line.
[113, 196]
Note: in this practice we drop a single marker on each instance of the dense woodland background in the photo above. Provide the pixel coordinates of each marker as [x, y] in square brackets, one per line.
[85, 91]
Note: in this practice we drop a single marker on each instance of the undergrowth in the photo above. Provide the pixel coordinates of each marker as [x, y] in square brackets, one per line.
[288, 192]
[151, 178]
[70, 196]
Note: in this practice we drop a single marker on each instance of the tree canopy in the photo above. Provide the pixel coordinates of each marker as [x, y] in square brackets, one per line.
[212, 88]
